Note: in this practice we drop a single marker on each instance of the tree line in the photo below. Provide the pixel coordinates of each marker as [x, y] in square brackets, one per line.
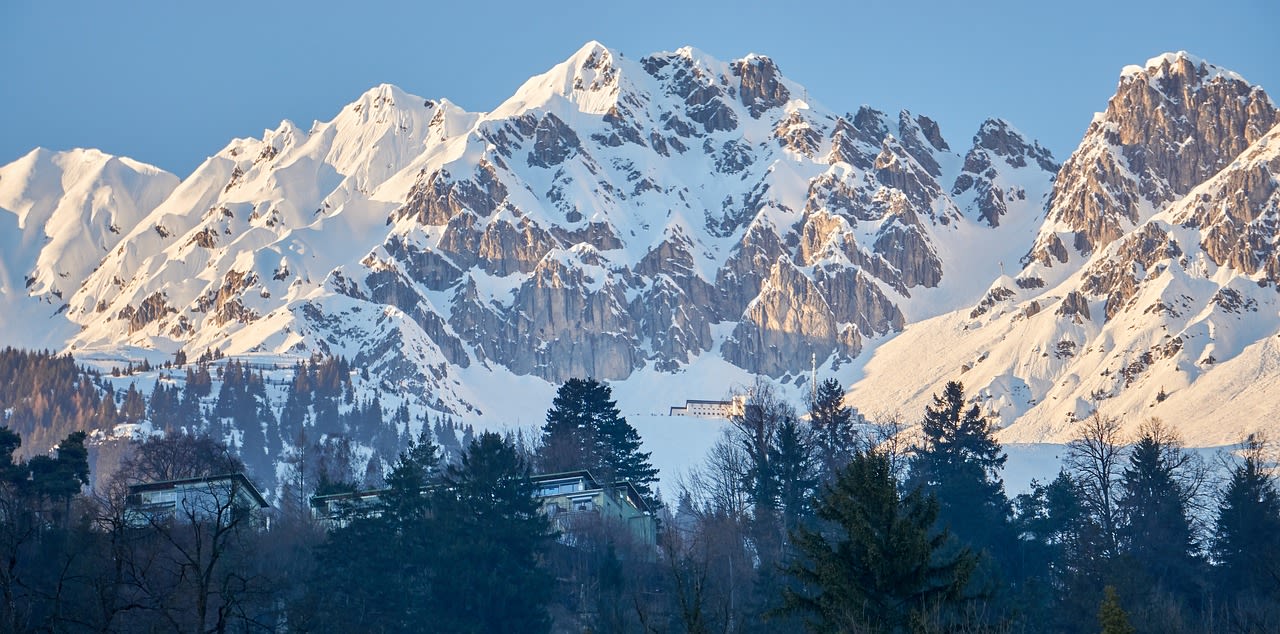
[822, 522]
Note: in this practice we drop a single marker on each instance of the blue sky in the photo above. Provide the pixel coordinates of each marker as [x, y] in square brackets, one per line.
[170, 83]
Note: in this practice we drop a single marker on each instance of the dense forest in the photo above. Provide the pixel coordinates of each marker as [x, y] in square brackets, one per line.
[817, 521]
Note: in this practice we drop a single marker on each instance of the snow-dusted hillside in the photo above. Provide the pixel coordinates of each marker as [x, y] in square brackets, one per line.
[677, 224]
[60, 214]
[1165, 304]
[614, 218]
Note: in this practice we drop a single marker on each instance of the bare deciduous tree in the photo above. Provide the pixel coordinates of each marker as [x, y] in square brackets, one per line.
[1094, 459]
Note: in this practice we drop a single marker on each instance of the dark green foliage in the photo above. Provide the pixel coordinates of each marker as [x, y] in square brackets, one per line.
[796, 469]
[834, 436]
[164, 409]
[36, 502]
[1246, 543]
[494, 539]
[959, 462]
[877, 563]
[585, 430]
[461, 554]
[1111, 616]
[417, 468]
[1156, 532]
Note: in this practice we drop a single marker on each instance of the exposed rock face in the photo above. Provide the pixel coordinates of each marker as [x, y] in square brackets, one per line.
[612, 216]
[1239, 211]
[1169, 127]
[1150, 290]
[996, 142]
[790, 320]
[761, 85]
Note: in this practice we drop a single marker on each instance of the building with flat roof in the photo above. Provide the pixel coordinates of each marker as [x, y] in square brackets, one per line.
[711, 409]
[574, 499]
[218, 498]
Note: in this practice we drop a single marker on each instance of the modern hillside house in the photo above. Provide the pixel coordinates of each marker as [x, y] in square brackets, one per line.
[221, 498]
[570, 497]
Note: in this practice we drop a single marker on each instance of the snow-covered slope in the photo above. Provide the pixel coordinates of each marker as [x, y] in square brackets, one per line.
[1166, 303]
[614, 218]
[676, 224]
[60, 213]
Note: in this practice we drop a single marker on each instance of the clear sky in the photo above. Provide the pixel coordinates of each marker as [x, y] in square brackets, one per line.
[170, 83]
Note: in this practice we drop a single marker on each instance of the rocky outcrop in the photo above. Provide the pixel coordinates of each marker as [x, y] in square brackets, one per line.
[790, 320]
[761, 85]
[436, 197]
[997, 142]
[1238, 211]
[1170, 126]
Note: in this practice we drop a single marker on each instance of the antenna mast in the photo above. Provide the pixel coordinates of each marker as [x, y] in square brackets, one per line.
[813, 389]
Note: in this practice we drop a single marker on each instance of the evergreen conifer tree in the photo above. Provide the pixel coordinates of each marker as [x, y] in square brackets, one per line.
[878, 563]
[833, 433]
[1111, 616]
[797, 470]
[493, 538]
[959, 463]
[1246, 542]
[1156, 531]
[585, 430]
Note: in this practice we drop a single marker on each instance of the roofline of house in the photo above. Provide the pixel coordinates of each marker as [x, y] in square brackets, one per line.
[171, 484]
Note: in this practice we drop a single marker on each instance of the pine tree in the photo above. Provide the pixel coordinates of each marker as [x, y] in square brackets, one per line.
[417, 468]
[834, 435]
[878, 563]
[1111, 616]
[585, 430]
[960, 462]
[797, 471]
[1246, 543]
[1156, 531]
[493, 538]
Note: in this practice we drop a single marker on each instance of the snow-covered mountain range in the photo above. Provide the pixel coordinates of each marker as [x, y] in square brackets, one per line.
[677, 223]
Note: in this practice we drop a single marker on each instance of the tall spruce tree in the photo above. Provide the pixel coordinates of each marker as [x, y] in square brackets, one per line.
[959, 462]
[834, 436]
[1156, 531]
[1246, 542]
[493, 540]
[797, 471]
[585, 430]
[878, 562]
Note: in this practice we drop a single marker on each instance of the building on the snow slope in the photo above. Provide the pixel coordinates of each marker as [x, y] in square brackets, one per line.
[711, 409]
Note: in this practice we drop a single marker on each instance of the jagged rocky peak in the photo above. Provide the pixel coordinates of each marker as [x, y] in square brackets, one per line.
[1172, 123]
[921, 137]
[998, 142]
[1182, 119]
[1238, 210]
[1005, 141]
[590, 81]
[761, 86]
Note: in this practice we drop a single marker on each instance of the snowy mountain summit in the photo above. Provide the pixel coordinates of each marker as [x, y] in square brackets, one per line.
[1149, 291]
[643, 219]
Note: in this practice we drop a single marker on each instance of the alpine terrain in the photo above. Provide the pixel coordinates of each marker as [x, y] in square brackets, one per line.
[674, 224]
